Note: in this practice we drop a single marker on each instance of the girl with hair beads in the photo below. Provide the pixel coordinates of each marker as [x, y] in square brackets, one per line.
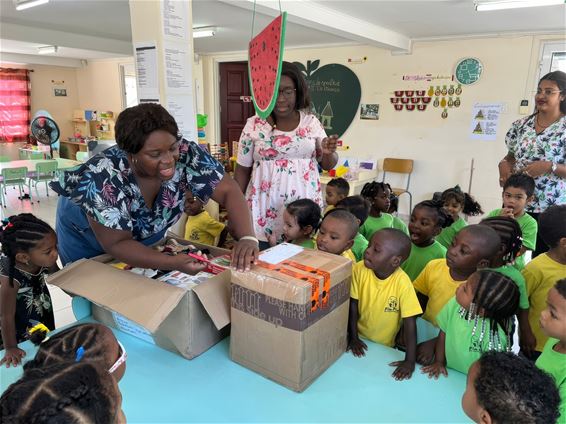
[509, 231]
[478, 319]
[68, 392]
[457, 202]
[29, 251]
[90, 342]
[379, 196]
[427, 221]
[301, 219]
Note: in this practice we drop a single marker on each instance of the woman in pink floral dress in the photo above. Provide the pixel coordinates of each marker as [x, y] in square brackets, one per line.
[278, 158]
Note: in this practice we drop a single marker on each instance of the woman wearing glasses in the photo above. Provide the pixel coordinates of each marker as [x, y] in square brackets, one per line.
[537, 146]
[126, 197]
[278, 158]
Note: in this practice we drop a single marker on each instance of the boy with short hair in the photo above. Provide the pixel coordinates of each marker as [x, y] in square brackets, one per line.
[359, 207]
[504, 388]
[337, 232]
[542, 272]
[382, 297]
[518, 192]
[336, 190]
[473, 247]
[201, 227]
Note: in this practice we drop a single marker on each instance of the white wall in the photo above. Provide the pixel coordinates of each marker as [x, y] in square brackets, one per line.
[440, 147]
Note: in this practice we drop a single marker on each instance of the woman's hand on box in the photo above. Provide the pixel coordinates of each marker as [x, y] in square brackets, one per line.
[244, 254]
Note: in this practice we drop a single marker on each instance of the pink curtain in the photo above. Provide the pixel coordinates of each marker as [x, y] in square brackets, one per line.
[14, 105]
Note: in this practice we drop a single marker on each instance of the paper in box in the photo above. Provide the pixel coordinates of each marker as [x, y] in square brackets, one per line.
[187, 321]
[289, 319]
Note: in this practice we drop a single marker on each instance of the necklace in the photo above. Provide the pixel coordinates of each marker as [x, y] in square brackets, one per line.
[548, 125]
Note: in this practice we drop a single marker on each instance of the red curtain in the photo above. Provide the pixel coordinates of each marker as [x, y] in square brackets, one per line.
[14, 104]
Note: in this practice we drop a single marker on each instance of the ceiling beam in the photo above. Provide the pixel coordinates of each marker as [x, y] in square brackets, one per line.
[31, 59]
[53, 37]
[316, 16]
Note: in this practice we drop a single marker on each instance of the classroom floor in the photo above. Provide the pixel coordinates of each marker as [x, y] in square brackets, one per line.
[44, 209]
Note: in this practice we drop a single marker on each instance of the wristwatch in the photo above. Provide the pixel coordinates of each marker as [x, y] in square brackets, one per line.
[554, 168]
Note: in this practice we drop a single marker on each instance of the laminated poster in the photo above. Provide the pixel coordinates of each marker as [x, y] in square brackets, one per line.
[485, 120]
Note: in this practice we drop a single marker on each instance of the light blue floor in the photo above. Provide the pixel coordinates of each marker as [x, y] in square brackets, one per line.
[160, 387]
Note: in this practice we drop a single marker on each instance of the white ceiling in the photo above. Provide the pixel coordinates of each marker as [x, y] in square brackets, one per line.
[92, 29]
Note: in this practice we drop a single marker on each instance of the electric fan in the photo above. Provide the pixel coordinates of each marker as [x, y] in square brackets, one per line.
[45, 131]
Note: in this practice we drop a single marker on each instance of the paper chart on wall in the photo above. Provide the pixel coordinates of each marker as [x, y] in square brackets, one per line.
[183, 110]
[178, 67]
[175, 17]
[147, 74]
[485, 120]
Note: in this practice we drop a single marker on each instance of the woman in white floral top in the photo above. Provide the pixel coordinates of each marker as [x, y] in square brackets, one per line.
[278, 158]
[537, 146]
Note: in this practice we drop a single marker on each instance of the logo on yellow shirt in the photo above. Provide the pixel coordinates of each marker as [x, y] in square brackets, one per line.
[392, 305]
[194, 235]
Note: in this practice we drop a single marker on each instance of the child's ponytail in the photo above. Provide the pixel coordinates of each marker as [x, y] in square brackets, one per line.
[471, 207]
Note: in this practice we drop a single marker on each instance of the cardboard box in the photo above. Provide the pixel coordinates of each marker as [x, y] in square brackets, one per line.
[284, 326]
[187, 321]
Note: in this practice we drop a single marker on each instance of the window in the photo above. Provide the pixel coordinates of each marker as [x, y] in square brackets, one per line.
[14, 104]
[129, 90]
[553, 58]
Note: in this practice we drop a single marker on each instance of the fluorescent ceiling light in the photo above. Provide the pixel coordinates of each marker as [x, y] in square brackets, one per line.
[486, 5]
[203, 32]
[26, 4]
[47, 50]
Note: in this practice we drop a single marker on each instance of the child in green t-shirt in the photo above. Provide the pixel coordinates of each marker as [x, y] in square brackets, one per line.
[379, 196]
[553, 324]
[478, 319]
[427, 221]
[505, 388]
[517, 194]
[301, 219]
[509, 232]
[456, 202]
[359, 207]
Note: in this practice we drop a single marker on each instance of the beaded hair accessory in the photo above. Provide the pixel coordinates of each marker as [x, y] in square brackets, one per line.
[472, 315]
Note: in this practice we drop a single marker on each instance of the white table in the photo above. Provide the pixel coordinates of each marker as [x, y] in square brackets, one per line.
[364, 177]
[62, 164]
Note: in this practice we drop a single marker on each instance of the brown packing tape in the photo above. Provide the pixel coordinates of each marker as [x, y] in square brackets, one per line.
[287, 314]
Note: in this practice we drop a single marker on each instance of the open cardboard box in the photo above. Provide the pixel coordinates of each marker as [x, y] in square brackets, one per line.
[183, 321]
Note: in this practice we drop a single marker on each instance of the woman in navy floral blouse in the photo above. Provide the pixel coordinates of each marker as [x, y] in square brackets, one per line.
[124, 199]
[537, 146]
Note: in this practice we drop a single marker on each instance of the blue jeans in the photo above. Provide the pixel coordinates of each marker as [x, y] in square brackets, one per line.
[75, 238]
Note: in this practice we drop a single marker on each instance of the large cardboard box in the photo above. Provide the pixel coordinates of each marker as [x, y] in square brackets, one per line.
[290, 314]
[185, 321]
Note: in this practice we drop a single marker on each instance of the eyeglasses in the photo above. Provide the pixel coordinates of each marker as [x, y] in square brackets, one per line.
[287, 92]
[121, 359]
[546, 93]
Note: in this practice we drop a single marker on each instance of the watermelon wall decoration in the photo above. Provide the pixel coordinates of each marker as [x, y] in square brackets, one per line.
[265, 57]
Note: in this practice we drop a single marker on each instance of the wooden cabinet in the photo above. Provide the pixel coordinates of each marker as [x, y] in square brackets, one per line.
[87, 125]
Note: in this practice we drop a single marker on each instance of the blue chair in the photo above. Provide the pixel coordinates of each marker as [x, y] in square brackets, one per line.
[14, 177]
[45, 172]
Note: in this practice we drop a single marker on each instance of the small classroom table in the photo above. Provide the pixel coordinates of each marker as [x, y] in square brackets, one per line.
[162, 387]
[364, 176]
[62, 164]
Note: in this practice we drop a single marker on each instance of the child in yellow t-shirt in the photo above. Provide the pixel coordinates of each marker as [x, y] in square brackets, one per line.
[336, 190]
[543, 271]
[382, 297]
[337, 232]
[472, 248]
[201, 227]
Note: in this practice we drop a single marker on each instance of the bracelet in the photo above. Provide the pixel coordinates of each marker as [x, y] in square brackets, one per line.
[554, 168]
[252, 238]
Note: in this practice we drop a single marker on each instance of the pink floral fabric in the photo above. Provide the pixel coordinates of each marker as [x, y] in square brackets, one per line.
[284, 169]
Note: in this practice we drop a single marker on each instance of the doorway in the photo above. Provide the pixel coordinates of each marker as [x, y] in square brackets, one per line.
[235, 101]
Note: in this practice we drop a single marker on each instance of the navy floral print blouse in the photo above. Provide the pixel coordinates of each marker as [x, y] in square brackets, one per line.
[106, 189]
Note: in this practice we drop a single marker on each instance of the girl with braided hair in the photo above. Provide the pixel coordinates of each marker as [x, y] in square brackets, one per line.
[67, 392]
[477, 320]
[29, 252]
[379, 196]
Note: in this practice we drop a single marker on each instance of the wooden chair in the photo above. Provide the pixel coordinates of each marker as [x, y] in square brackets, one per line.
[400, 166]
[14, 177]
